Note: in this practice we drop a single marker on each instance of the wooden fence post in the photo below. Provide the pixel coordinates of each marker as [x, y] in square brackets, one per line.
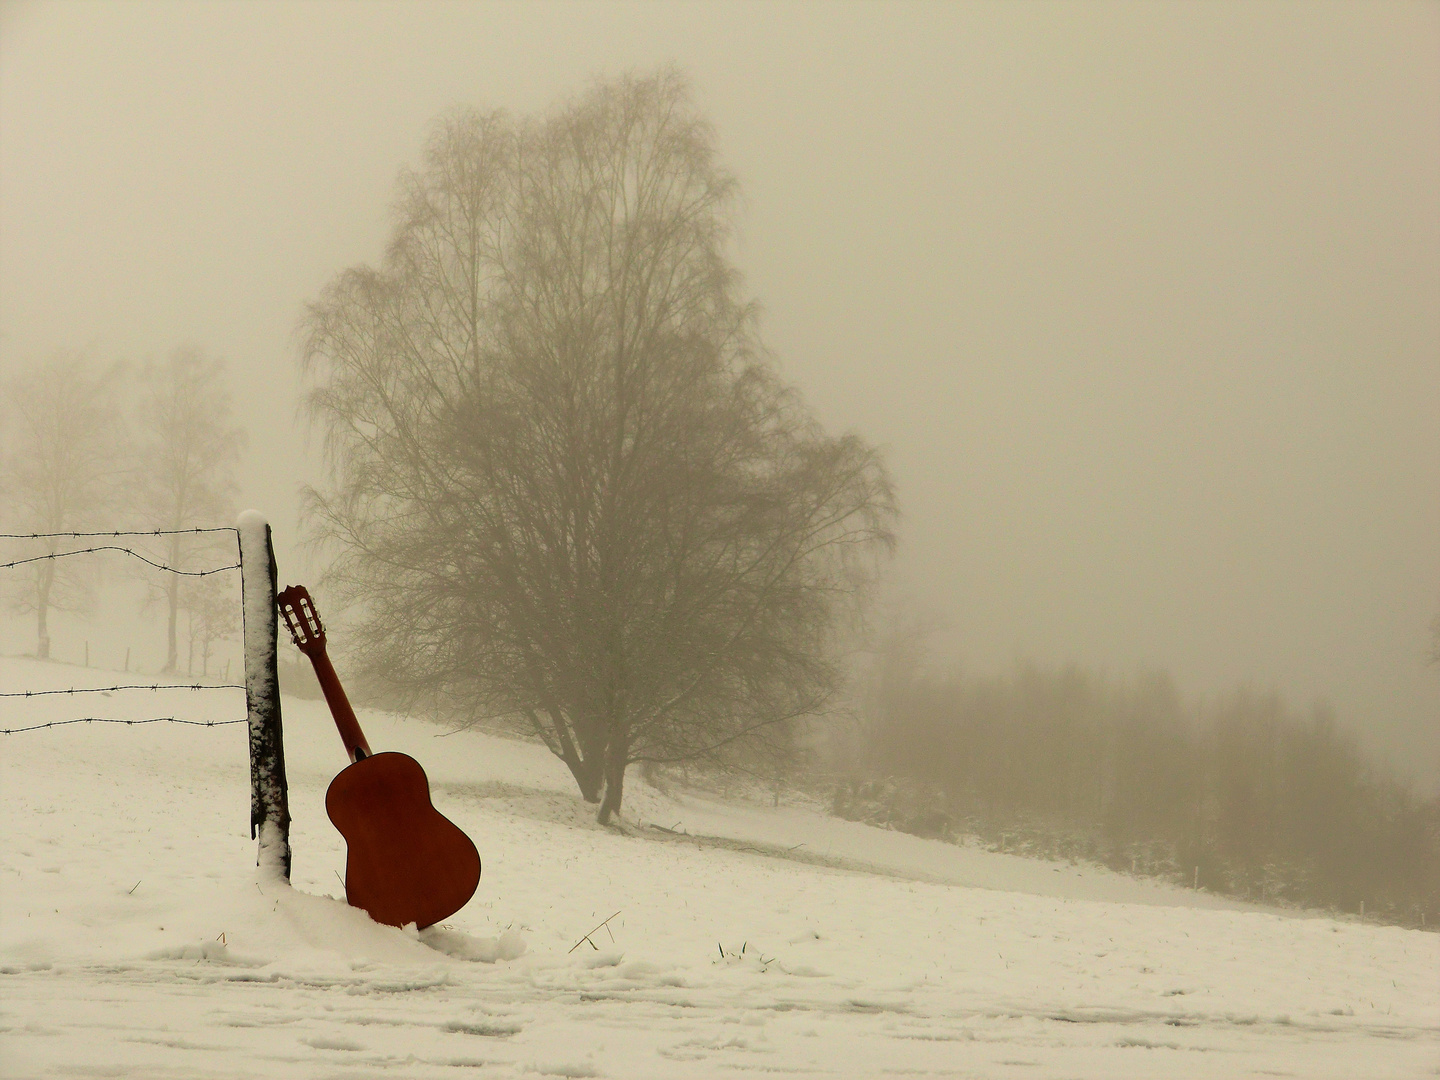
[269, 794]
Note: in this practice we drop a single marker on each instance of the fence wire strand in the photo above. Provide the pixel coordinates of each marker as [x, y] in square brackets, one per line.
[122, 532]
[127, 723]
[127, 551]
[126, 686]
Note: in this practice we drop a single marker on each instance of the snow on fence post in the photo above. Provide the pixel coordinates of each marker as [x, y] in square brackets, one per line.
[269, 798]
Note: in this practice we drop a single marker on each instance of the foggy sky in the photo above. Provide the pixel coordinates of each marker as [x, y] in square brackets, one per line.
[1142, 300]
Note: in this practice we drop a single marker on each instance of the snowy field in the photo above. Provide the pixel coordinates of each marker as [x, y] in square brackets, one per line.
[136, 939]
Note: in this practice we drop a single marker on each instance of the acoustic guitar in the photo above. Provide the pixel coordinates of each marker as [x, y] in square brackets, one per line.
[405, 861]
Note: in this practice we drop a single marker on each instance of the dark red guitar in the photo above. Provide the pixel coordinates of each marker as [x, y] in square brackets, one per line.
[405, 861]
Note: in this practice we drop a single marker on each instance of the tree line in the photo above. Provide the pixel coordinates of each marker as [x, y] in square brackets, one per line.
[91, 446]
[1241, 794]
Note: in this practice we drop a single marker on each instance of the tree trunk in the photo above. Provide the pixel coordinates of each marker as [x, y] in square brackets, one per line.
[589, 776]
[42, 611]
[586, 768]
[614, 785]
[172, 598]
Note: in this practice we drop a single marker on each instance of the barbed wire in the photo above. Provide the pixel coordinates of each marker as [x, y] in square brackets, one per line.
[123, 532]
[126, 686]
[156, 687]
[127, 551]
[128, 723]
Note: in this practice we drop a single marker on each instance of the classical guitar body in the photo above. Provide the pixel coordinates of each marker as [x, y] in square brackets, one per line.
[406, 862]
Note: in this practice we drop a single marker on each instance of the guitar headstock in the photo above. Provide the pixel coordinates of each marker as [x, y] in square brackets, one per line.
[301, 619]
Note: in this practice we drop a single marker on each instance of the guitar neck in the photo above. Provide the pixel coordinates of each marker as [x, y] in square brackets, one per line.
[349, 727]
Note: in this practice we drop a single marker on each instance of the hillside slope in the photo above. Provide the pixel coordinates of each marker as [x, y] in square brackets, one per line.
[136, 938]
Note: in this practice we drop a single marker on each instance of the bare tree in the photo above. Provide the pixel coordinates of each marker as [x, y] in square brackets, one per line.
[566, 487]
[188, 453]
[65, 466]
[212, 614]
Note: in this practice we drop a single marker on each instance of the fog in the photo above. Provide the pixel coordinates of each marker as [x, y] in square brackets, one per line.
[1143, 301]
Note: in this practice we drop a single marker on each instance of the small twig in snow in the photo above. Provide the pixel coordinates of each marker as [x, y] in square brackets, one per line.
[586, 938]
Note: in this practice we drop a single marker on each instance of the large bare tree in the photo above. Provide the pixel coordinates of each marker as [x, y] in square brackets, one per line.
[187, 456]
[65, 468]
[567, 489]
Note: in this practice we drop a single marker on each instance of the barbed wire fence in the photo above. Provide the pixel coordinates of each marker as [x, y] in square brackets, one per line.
[156, 687]
[269, 798]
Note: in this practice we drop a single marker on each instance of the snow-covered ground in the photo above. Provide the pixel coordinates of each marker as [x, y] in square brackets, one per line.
[136, 939]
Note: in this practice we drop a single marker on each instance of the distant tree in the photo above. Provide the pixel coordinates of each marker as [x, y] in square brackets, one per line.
[187, 455]
[566, 487]
[65, 467]
[212, 614]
